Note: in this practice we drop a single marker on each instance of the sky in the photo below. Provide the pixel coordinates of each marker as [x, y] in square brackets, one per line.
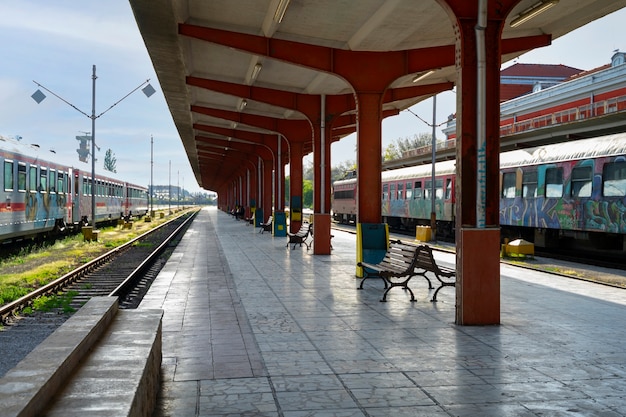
[57, 43]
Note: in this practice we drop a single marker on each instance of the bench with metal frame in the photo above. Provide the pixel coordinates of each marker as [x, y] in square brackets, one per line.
[300, 236]
[267, 226]
[396, 269]
[425, 262]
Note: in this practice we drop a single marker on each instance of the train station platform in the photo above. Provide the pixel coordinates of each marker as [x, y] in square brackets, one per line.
[253, 328]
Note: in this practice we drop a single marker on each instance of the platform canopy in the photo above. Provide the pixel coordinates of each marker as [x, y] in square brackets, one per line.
[172, 31]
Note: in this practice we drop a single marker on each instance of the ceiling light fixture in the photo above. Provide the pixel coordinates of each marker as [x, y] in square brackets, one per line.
[280, 10]
[532, 11]
[255, 71]
[420, 76]
[242, 105]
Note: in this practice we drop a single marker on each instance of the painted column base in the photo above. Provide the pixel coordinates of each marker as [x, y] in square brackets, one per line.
[478, 277]
[321, 234]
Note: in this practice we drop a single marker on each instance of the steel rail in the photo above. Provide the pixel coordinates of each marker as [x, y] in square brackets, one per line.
[120, 291]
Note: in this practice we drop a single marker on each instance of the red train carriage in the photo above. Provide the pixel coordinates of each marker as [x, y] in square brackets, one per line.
[406, 197]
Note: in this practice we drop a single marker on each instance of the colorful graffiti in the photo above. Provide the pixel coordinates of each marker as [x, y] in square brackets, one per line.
[593, 213]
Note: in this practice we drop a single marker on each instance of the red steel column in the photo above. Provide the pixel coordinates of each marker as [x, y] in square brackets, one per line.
[369, 163]
[478, 236]
[321, 168]
[296, 153]
[253, 187]
[268, 168]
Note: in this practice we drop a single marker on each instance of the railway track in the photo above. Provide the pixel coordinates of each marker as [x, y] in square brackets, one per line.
[579, 265]
[125, 271]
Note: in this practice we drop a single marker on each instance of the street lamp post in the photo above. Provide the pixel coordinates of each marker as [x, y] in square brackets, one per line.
[38, 96]
[151, 176]
[93, 148]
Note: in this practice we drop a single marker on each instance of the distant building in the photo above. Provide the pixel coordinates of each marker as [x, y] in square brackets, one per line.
[536, 95]
[520, 79]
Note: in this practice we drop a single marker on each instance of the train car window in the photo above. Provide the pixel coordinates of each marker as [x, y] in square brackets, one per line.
[21, 177]
[61, 183]
[529, 184]
[32, 179]
[53, 181]
[582, 180]
[401, 191]
[417, 190]
[448, 188]
[508, 184]
[8, 175]
[392, 192]
[385, 191]
[439, 189]
[554, 182]
[409, 191]
[43, 180]
[614, 179]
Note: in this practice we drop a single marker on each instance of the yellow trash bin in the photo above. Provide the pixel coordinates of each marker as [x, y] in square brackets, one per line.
[422, 233]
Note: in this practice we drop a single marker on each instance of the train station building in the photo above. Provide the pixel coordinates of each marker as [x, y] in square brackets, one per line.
[249, 326]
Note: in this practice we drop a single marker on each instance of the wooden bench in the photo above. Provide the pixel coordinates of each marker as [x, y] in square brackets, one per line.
[267, 226]
[300, 236]
[396, 269]
[426, 263]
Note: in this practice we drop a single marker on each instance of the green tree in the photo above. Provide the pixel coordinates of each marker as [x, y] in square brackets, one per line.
[391, 152]
[110, 161]
[307, 193]
[340, 171]
[397, 148]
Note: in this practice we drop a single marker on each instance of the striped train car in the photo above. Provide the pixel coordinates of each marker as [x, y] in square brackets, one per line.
[571, 194]
[40, 197]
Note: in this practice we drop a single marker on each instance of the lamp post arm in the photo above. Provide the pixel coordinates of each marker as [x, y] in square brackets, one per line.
[62, 99]
[122, 99]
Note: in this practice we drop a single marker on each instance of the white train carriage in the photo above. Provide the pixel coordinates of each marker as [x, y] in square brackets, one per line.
[38, 197]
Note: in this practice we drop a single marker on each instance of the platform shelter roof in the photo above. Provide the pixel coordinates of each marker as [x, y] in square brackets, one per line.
[366, 25]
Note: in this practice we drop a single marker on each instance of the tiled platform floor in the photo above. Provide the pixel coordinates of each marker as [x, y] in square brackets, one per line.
[252, 328]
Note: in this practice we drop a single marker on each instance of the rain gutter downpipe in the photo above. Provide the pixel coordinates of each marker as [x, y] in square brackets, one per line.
[322, 189]
[481, 114]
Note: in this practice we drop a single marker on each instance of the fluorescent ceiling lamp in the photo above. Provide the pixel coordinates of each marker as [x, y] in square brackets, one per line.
[255, 71]
[280, 10]
[423, 75]
[533, 11]
[242, 105]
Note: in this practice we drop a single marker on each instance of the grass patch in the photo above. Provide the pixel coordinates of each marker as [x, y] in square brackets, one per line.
[9, 293]
[27, 271]
[48, 303]
[143, 244]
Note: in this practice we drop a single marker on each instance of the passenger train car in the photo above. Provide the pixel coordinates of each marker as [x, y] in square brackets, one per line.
[571, 194]
[39, 197]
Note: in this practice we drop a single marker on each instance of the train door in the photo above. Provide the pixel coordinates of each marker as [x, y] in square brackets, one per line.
[75, 189]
